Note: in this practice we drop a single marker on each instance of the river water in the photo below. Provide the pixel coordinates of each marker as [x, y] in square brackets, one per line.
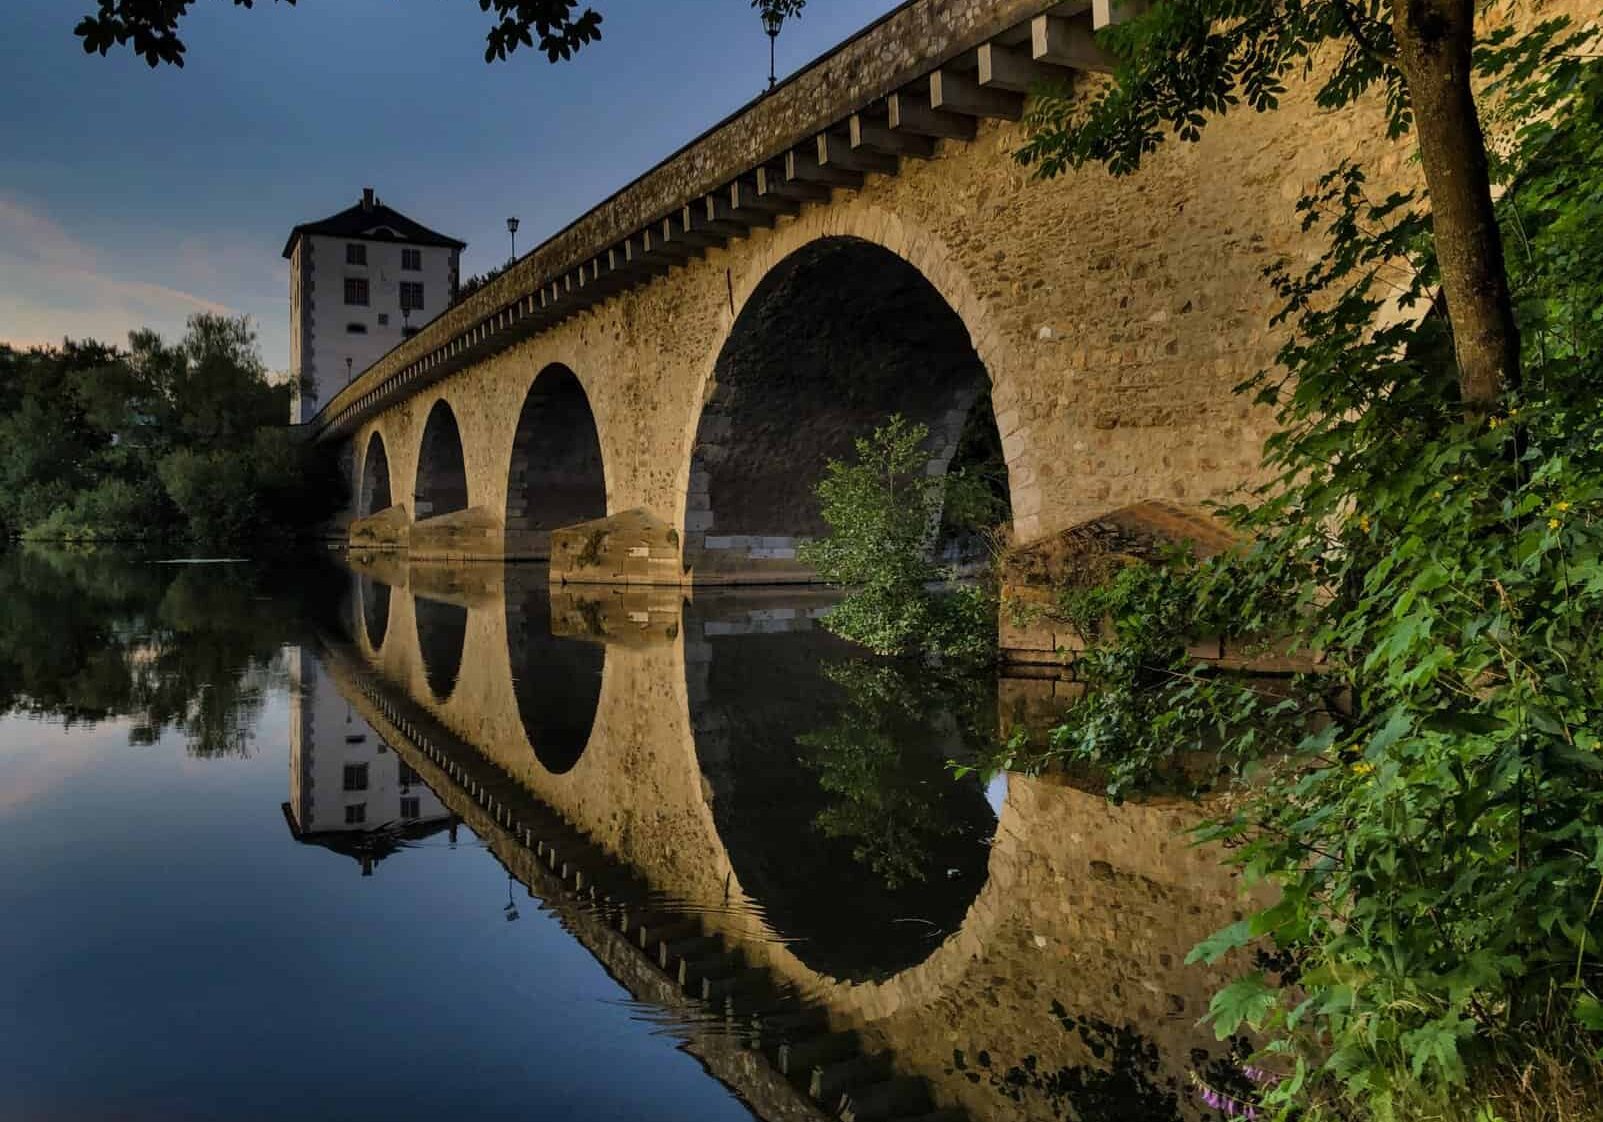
[373, 840]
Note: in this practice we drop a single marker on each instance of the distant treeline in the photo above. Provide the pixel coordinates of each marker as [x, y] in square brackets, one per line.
[156, 443]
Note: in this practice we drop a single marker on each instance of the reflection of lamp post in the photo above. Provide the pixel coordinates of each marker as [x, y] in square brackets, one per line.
[772, 18]
[512, 228]
[511, 910]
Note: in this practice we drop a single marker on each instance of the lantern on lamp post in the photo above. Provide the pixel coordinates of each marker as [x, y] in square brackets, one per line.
[773, 18]
[512, 228]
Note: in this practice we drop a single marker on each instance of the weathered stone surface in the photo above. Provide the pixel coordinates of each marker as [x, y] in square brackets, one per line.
[389, 528]
[628, 548]
[458, 536]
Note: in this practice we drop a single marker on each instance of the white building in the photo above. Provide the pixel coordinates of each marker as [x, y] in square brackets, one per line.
[360, 281]
[347, 790]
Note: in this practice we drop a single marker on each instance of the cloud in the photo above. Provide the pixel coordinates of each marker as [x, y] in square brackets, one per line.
[53, 284]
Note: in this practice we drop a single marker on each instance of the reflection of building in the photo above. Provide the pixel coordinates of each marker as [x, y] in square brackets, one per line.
[347, 790]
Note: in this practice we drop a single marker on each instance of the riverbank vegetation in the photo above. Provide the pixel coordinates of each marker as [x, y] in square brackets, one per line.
[1427, 800]
[156, 443]
[188, 650]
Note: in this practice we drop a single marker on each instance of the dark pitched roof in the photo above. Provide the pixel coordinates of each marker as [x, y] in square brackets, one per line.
[376, 223]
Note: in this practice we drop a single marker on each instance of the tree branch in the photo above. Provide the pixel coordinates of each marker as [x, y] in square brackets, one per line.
[1365, 43]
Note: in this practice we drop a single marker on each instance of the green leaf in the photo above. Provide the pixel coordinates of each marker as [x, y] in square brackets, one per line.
[1222, 942]
[1247, 1001]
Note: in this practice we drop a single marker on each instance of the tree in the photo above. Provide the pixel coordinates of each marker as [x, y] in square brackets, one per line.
[151, 26]
[1187, 60]
[883, 510]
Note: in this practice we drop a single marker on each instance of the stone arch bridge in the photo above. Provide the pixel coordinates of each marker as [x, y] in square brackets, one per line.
[671, 372]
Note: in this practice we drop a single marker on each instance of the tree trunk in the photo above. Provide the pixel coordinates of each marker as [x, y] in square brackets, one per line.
[1434, 42]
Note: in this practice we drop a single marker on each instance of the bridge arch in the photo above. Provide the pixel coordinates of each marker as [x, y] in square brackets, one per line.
[557, 475]
[442, 474]
[442, 635]
[373, 492]
[831, 800]
[556, 677]
[844, 319]
[373, 610]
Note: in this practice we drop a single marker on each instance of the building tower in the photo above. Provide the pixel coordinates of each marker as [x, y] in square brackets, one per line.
[360, 281]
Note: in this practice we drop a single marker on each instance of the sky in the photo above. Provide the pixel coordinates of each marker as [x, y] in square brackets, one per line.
[132, 197]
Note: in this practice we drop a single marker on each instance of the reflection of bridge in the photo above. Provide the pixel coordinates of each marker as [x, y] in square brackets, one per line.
[1075, 902]
[683, 359]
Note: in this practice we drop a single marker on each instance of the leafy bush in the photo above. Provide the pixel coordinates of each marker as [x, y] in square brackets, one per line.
[113, 510]
[883, 511]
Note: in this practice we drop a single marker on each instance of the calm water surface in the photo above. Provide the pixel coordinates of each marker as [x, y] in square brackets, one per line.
[381, 842]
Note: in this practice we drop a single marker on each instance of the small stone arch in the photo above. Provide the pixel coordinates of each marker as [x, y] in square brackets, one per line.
[442, 474]
[373, 598]
[373, 492]
[442, 635]
[839, 333]
[557, 475]
[556, 679]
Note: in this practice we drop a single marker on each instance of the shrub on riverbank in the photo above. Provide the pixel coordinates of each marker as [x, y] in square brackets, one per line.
[154, 443]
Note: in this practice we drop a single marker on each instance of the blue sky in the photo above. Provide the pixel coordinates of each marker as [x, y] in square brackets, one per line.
[133, 197]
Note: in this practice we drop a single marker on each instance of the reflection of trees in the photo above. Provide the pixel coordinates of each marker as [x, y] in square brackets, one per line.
[887, 792]
[190, 648]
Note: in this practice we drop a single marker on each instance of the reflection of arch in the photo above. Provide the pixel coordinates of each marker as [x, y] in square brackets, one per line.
[557, 681]
[835, 338]
[374, 495]
[556, 476]
[773, 772]
[375, 606]
[442, 633]
[442, 474]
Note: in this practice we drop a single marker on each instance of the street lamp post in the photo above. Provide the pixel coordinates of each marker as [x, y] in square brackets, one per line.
[772, 19]
[512, 228]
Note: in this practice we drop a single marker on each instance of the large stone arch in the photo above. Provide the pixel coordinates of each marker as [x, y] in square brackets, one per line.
[884, 264]
[442, 477]
[373, 491]
[825, 778]
[556, 474]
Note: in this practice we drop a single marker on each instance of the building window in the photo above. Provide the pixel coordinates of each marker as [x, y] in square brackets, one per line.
[406, 775]
[356, 738]
[408, 332]
[412, 260]
[409, 806]
[355, 814]
[356, 329]
[356, 777]
[411, 296]
[355, 254]
[384, 319]
[356, 291]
